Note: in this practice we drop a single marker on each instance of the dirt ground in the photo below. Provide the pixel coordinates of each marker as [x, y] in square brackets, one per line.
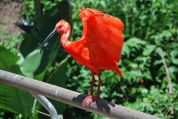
[10, 14]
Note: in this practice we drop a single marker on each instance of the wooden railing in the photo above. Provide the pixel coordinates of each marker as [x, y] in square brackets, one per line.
[73, 98]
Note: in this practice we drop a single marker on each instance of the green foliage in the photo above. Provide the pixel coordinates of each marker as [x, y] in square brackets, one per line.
[15, 100]
[153, 101]
[26, 66]
[29, 61]
[7, 59]
[149, 26]
[10, 41]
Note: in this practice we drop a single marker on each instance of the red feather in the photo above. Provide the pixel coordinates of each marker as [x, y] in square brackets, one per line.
[101, 43]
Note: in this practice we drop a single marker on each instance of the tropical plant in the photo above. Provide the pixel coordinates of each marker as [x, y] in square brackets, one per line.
[47, 67]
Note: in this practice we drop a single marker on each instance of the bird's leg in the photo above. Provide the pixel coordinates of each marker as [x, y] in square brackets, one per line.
[89, 99]
[99, 85]
[92, 84]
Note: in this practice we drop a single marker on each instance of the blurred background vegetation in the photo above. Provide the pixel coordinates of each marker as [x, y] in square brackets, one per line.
[149, 60]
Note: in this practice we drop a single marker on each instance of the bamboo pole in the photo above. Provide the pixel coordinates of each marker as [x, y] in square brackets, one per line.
[73, 98]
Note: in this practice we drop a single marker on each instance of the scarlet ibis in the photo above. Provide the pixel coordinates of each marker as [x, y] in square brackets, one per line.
[100, 46]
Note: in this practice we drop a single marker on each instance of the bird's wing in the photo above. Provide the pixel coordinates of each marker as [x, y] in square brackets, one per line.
[105, 31]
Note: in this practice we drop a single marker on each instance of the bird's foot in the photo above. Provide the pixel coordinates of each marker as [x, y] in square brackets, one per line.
[89, 99]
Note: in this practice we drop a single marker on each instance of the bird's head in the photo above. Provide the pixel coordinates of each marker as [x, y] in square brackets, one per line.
[60, 27]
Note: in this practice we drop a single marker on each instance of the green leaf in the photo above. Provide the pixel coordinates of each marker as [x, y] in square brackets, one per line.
[174, 56]
[58, 77]
[15, 100]
[173, 71]
[27, 45]
[7, 59]
[46, 23]
[134, 42]
[133, 45]
[149, 49]
[31, 63]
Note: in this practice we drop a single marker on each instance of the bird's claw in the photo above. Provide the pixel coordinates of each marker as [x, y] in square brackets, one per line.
[89, 99]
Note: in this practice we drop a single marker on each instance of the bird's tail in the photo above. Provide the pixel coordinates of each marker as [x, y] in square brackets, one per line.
[117, 70]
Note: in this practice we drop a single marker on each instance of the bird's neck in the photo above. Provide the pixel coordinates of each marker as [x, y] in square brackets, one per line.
[65, 36]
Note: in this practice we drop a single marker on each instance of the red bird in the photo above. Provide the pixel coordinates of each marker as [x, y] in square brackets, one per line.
[100, 46]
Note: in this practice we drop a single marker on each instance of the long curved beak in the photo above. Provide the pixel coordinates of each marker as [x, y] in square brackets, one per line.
[47, 39]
